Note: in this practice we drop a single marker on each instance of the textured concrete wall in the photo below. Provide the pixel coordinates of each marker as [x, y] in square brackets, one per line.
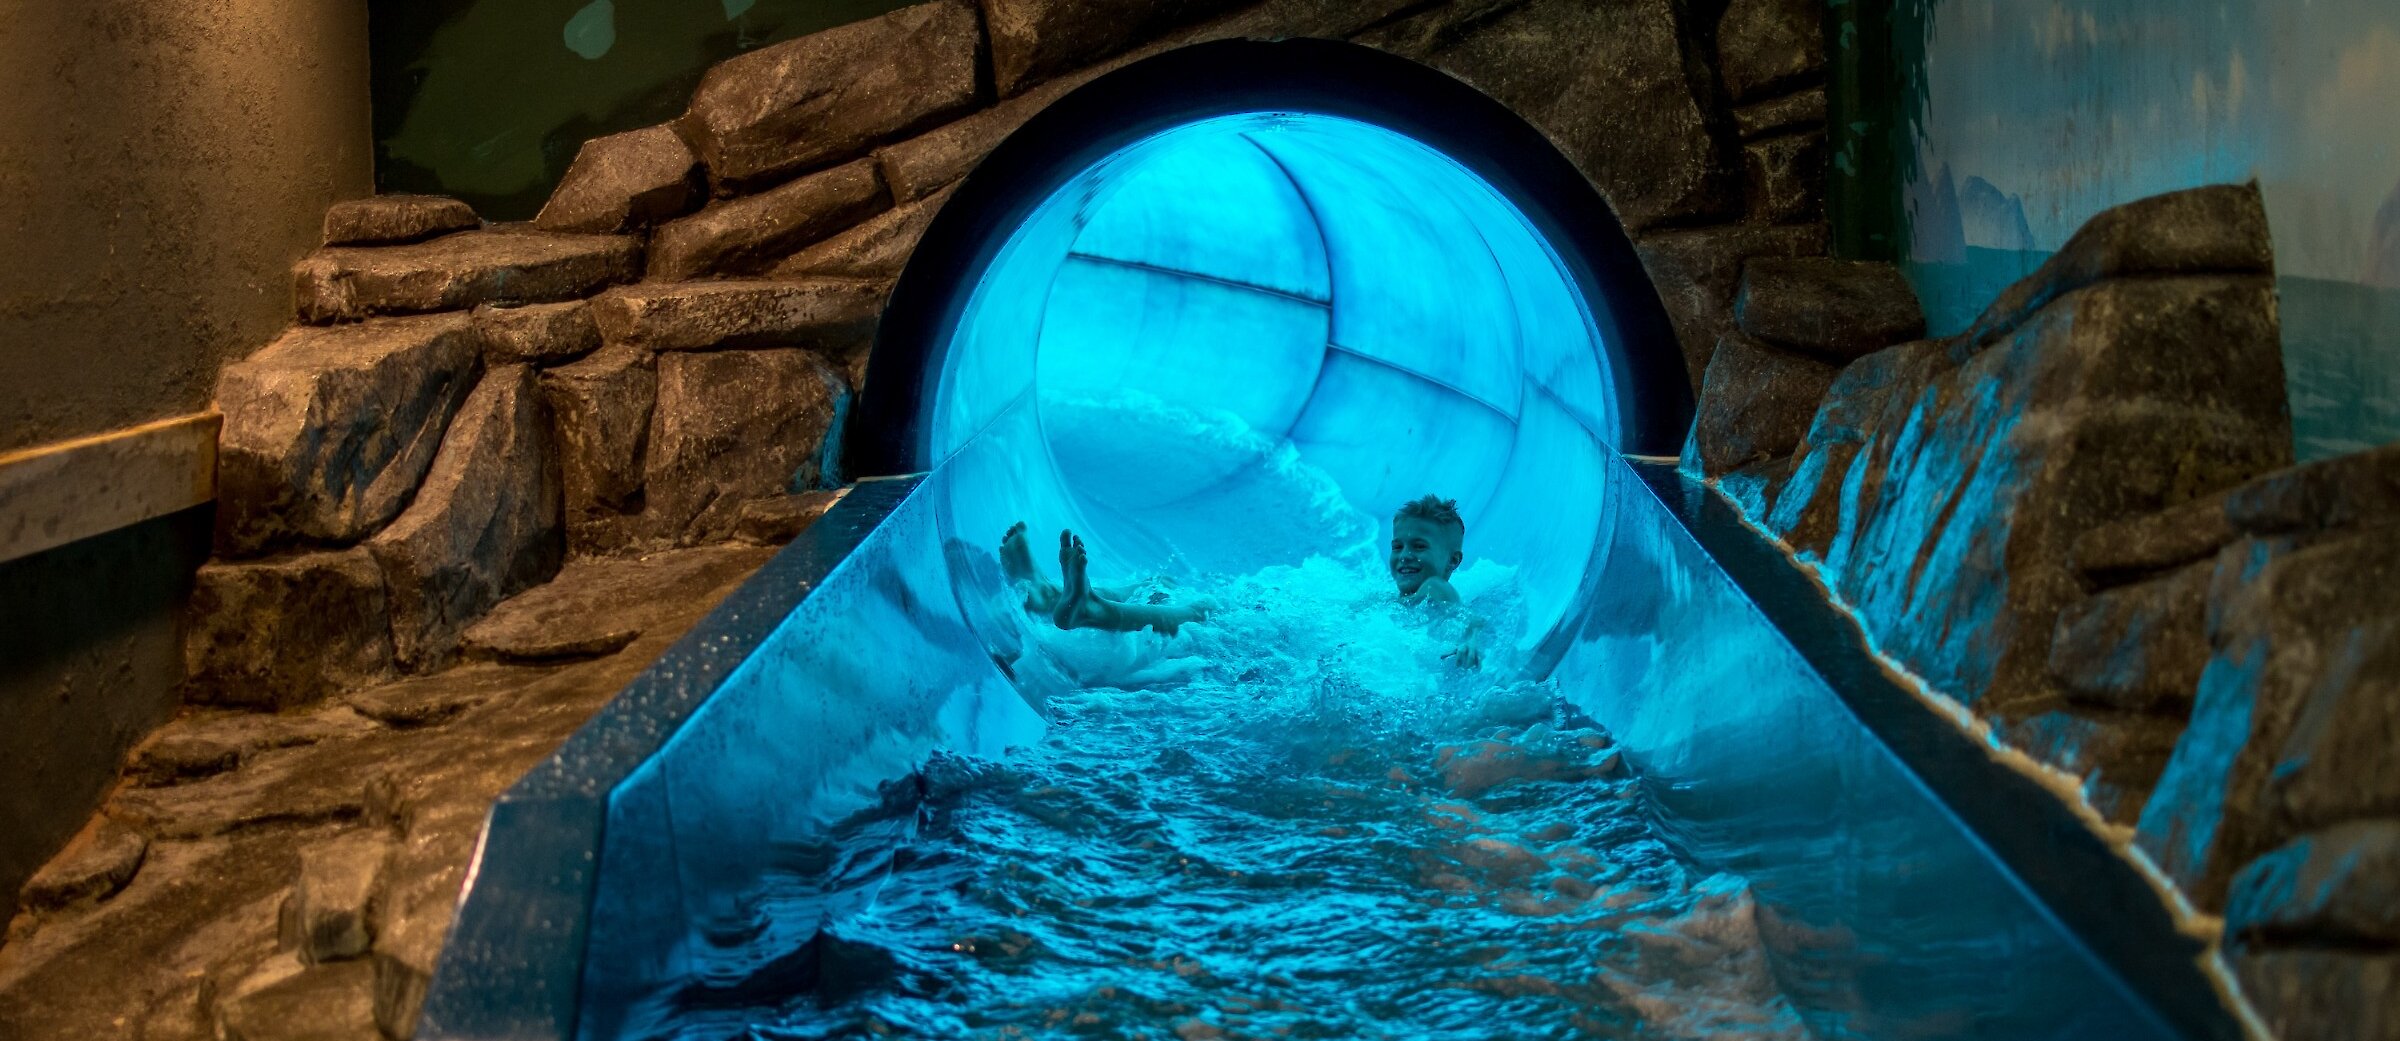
[161, 166]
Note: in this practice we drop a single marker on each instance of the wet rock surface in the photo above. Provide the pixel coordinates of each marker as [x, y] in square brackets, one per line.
[392, 219]
[773, 522]
[827, 96]
[454, 272]
[285, 631]
[326, 918]
[189, 946]
[93, 867]
[485, 525]
[328, 431]
[626, 181]
[1838, 309]
[732, 427]
[749, 234]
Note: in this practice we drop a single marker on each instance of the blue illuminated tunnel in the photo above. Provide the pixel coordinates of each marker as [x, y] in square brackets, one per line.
[1353, 256]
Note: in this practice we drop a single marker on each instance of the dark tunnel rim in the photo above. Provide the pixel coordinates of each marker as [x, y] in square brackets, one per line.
[888, 431]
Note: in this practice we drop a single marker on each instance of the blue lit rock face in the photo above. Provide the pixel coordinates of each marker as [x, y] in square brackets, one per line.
[1322, 283]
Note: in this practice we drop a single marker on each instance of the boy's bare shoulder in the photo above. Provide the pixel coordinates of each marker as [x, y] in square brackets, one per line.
[1438, 591]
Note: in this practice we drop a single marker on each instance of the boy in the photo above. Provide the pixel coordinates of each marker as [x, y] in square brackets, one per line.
[1427, 536]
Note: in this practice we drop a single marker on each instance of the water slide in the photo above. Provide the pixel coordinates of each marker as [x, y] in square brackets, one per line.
[1220, 343]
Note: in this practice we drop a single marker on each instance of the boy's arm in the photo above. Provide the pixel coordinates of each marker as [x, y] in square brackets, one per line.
[1469, 654]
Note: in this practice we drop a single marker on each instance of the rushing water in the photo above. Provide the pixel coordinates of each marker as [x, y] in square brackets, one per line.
[1295, 820]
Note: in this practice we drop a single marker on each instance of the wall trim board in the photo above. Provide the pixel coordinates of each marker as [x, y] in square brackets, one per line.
[57, 493]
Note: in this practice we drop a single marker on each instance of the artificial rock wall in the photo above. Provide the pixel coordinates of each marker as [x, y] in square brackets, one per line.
[2080, 517]
[665, 354]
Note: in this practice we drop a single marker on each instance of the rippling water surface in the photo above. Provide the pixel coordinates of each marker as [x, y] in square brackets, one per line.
[1297, 820]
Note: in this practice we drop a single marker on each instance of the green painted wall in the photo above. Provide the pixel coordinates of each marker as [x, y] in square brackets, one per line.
[488, 100]
[1974, 136]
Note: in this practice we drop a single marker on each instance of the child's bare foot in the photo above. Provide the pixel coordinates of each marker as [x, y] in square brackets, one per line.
[1016, 558]
[1075, 608]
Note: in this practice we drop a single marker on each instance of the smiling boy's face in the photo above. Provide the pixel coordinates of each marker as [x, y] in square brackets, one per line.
[1422, 549]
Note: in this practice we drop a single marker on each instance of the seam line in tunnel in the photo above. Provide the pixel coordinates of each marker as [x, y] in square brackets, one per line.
[1197, 277]
[1435, 380]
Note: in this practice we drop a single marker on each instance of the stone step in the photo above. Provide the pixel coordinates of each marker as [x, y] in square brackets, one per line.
[827, 314]
[510, 265]
[393, 219]
[328, 430]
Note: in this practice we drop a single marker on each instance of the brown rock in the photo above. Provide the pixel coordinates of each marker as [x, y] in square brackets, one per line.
[1756, 404]
[1874, 393]
[775, 521]
[596, 606]
[285, 631]
[939, 158]
[326, 918]
[2323, 995]
[327, 431]
[542, 334]
[420, 701]
[1800, 110]
[1754, 486]
[2296, 698]
[279, 787]
[1698, 271]
[2153, 542]
[1612, 91]
[2117, 754]
[625, 181]
[2120, 399]
[94, 866]
[1839, 309]
[2139, 647]
[671, 316]
[391, 219]
[2350, 491]
[876, 250]
[2220, 229]
[486, 524]
[1785, 181]
[209, 743]
[828, 96]
[427, 870]
[733, 426]
[1766, 47]
[748, 235]
[2336, 887]
[1035, 39]
[286, 1001]
[600, 416]
[455, 272]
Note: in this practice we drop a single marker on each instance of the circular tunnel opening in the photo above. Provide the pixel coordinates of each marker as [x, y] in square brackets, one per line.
[1194, 279]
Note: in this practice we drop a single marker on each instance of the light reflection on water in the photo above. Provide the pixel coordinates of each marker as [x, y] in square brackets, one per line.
[1296, 820]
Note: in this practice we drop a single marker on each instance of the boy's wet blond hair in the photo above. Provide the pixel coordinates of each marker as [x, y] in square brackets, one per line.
[1436, 510]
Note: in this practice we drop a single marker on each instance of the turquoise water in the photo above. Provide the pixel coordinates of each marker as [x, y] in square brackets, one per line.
[1294, 820]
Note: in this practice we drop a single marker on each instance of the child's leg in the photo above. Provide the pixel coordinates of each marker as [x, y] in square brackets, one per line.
[1016, 562]
[1079, 607]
